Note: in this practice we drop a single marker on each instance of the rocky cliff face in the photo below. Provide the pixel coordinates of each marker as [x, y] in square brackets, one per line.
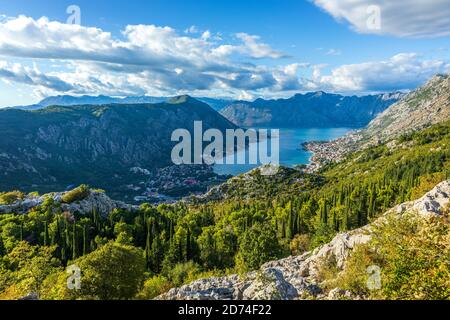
[55, 147]
[317, 109]
[297, 277]
[422, 108]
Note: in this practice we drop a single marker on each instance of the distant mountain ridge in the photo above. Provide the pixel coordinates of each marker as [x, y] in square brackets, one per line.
[315, 109]
[68, 100]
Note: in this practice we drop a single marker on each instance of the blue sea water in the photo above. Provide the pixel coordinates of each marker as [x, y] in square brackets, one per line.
[291, 152]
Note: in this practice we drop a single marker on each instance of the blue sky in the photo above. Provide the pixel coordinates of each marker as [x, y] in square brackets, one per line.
[240, 49]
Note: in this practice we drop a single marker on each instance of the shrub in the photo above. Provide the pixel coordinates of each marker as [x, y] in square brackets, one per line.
[300, 244]
[413, 254]
[77, 194]
[180, 274]
[112, 272]
[258, 245]
[355, 276]
[154, 287]
[7, 198]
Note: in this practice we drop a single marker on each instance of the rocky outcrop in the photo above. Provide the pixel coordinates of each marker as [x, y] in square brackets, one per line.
[431, 204]
[297, 277]
[422, 108]
[95, 201]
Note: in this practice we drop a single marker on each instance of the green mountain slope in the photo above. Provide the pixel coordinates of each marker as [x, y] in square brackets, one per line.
[52, 148]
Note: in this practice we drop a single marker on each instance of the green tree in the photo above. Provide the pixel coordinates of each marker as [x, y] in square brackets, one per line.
[154, 287]
[112, 272]
[258, 245]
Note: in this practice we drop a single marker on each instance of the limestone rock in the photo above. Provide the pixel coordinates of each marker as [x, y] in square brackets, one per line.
[270, 285]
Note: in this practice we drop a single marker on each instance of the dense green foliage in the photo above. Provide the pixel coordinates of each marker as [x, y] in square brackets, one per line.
[413, 254]
[77, 194]
[172, 244]
[10, 197]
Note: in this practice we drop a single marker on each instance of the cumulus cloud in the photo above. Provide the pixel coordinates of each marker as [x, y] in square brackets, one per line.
[254, 48]
[400, 72]
[403, 18]
[153, 60]
[287, 77]
[144, 53]
[32, 76]
[143, 44]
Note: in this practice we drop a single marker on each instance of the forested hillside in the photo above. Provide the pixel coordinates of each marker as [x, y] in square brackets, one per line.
[155, 248]
[58, 146]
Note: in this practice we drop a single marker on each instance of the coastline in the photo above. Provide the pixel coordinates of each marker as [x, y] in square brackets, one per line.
[333, 151]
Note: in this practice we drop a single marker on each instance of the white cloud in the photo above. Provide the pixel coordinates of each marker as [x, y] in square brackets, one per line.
[333, 52]
[287, 77]
[403, 18]
[143, 44]
[156, 54]
[154, 60]
[246, 96]
[256, 49]
[32, 76]
[192, 29]
[206, 35]
[400, 72]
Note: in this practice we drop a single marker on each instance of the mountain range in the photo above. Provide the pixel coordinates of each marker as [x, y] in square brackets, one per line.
[314, 109]
[65, 139]
[68, 100]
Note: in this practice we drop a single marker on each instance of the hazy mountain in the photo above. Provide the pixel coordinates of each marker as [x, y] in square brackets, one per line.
[68, 100]
[51, 148]
[316, 109]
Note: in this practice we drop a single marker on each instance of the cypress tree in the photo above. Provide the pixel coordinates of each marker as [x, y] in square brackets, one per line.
[85, 240]
[45, 233]
[74, 242]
